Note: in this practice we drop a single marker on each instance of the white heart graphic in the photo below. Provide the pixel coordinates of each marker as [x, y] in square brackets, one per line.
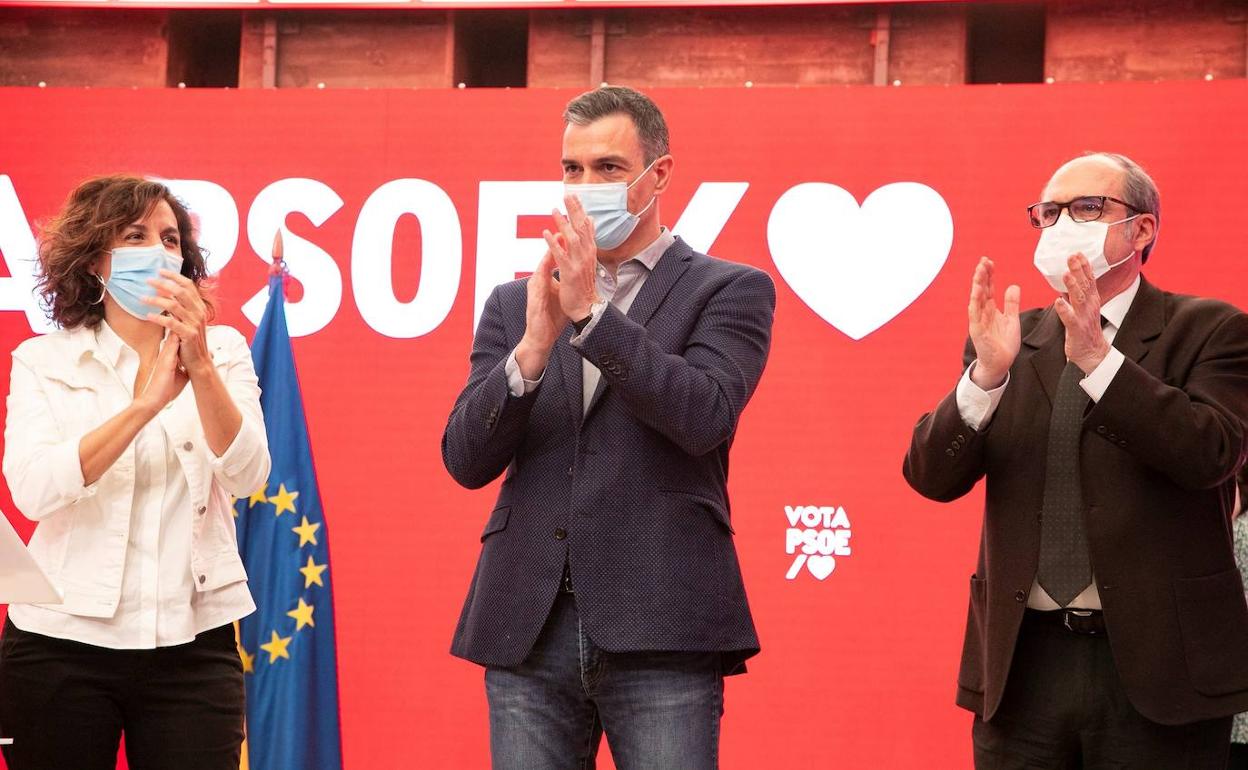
[859, 267]
[821, 566]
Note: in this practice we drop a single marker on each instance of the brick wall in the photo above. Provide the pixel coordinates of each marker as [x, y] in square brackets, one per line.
[72, 47]
[1146, 39]
[770, 46]
[727, 47]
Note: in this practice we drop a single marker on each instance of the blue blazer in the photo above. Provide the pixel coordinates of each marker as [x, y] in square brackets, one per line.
[634, 494]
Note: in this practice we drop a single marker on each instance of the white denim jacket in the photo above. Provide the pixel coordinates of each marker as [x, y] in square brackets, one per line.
[61, 390]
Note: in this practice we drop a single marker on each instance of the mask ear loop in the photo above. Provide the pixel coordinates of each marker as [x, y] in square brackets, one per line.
[646, 208]
[645, 171]
[653, 198]
[1127, 258]
[103, 289]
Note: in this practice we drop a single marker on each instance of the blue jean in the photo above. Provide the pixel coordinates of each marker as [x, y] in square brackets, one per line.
[659, 710]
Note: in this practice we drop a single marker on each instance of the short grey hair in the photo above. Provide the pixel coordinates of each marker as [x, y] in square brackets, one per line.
[610, 100]
[1138, 190]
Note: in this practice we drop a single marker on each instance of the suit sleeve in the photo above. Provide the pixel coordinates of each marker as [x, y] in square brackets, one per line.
[946, 456]
[1193, 434]
[487, 422]
[696, 398]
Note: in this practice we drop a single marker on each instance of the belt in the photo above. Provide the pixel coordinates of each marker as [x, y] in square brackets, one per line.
[1076, 621]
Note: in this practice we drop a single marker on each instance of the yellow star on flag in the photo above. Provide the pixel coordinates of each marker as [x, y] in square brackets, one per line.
[249, 661]
[258, 496]
[283, 501]
[306, 532]
[302, 615]
[276, 648]
[312, 573]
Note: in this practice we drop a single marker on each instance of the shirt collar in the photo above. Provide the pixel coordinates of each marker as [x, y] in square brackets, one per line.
[649, 256]
[1115, 310]
[108, 346]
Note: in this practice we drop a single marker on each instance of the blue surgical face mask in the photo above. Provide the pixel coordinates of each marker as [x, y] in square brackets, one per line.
[131, 267]
[607, 205]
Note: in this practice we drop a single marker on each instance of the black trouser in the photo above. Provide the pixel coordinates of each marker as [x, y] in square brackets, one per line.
[65, 704]
[1064, 707]
[1239, 757]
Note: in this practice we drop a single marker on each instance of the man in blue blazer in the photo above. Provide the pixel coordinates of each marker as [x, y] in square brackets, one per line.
[608, 387]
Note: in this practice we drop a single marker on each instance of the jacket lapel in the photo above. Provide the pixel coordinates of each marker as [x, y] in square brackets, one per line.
[671, 266]
[1047, 342]
[1143, 323]
[569, 363]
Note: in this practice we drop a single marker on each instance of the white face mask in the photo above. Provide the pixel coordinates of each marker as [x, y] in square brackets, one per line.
[607, 205]
[1066, 237]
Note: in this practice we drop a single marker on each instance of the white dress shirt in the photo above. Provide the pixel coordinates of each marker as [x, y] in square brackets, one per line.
[620, 290]
[976, 407]
[163, 597]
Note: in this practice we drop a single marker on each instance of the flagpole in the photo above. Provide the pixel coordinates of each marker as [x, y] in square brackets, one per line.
[279, 264]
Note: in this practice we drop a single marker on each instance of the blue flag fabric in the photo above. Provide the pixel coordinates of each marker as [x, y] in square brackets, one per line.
[287, 644]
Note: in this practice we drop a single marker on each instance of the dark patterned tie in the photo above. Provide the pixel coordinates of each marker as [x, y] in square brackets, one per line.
[1065, 568]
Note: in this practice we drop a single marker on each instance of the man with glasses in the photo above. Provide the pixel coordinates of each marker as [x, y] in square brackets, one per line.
[1107, 624]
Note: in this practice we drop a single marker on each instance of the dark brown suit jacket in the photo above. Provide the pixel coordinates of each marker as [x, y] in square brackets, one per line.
[1159, 453]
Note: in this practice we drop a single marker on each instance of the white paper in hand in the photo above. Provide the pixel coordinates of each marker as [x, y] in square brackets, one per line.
[21, 580]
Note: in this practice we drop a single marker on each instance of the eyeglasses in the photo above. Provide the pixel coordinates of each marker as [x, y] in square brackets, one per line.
[1089, 208]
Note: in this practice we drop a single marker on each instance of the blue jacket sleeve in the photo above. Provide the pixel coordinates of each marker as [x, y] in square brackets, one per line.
[695, 398]
[487, 423]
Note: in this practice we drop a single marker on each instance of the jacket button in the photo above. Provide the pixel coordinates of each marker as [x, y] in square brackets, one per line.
[1122, 443]
[188, 446]
[1101, 429]
[561, 533]
[960, 437]
[202, 510]
[1020, 596]
[949, 452]
[570, 469]
[202, 579]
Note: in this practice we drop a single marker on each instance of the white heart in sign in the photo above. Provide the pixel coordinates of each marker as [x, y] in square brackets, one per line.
[821, 566]
[859, 267]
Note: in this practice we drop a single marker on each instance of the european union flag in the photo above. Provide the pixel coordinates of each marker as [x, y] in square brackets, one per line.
[287, 644]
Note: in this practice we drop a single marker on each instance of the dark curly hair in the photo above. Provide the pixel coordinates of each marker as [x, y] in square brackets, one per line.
[84, 230]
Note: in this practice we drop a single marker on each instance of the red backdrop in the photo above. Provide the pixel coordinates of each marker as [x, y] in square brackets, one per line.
[858, 666]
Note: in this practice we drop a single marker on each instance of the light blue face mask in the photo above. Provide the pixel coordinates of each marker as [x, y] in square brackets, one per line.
[607, 205]
[131, 267]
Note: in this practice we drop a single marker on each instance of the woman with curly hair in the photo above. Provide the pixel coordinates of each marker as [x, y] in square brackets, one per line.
[127, 431]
